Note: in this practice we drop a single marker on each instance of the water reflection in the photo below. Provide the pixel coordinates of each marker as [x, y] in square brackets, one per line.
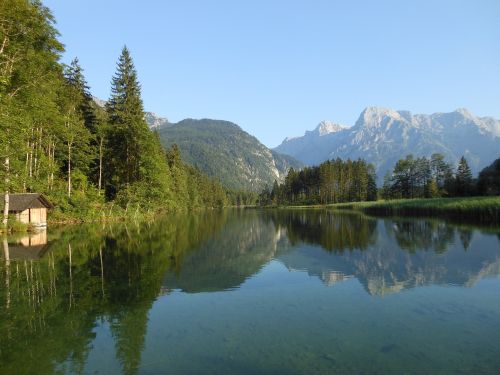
[58, 290]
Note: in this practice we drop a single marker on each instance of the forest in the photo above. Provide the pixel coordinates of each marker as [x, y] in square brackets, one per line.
[334, 181]
[339, 181]
[87, 160]
[433, 177]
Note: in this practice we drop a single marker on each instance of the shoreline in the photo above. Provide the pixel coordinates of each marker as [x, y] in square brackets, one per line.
[485, 210]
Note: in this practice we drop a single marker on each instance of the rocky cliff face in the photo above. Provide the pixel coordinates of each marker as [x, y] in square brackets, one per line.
[382, 136]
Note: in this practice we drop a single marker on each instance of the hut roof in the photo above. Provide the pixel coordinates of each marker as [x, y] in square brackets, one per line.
[20, 202]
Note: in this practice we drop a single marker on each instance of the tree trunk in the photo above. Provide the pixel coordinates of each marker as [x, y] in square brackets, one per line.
[5, 220]
[52, 165]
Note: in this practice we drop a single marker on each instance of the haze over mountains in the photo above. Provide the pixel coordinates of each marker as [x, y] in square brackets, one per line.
[382, 136]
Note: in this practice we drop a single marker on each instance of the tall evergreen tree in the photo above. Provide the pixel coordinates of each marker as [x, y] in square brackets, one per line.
[464, 185]
[135, 160]
[79, 119]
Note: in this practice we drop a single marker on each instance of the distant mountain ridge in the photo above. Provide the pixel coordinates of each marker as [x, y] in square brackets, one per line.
[222, 150]
[383, 135]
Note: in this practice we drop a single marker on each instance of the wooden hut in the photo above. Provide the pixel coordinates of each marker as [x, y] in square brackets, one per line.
[29, 208]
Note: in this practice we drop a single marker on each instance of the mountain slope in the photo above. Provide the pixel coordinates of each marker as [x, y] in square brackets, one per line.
[382, 136]
[223, 150]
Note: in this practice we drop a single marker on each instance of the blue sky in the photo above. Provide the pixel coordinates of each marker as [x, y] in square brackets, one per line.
[277, 68]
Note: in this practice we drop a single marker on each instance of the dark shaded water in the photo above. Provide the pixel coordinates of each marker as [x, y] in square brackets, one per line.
[284, 292]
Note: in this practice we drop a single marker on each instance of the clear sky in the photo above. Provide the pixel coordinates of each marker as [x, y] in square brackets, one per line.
[277, 68]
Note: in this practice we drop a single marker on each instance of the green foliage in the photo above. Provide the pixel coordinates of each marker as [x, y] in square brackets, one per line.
[16, 226]
[488, 182]
[464, 185]
[134, 155]
[226, 153]
[480, 209]
[331, 182]
[425, 178]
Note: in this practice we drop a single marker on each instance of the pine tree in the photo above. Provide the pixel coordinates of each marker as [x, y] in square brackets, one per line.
[135, 156]
[78, 120]
[464, 184]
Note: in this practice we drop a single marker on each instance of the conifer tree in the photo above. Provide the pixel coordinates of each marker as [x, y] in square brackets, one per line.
[464, 184]
[78, 120]
[135, 160]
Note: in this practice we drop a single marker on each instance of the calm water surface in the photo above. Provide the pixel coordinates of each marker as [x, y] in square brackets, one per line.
[272, 292]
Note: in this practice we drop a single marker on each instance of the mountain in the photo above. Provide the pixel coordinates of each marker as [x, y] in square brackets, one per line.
[224, 151]
[311, 144]
[154, 121]
[382, 136]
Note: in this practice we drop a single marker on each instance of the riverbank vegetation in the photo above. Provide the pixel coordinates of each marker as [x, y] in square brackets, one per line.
[87, 160]
[480, 209]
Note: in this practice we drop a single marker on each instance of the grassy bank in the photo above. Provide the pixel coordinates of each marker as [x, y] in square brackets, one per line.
[479, 209]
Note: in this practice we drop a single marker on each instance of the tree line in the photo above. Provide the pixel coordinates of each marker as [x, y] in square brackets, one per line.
[334, 181]
[422, 177]
[56, 140]
[338, 181]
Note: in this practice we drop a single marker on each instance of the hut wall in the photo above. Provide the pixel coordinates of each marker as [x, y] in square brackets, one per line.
[38, 215]
[24, 216]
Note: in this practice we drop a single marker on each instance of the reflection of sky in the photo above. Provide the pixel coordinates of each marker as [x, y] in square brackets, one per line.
[288, 322]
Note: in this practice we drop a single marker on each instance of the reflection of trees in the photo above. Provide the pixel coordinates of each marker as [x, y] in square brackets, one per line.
[332, 230]
[50, 306]
[413, 235]
[226, 260]
[465, 236]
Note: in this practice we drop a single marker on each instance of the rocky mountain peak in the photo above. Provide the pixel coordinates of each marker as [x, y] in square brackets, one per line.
[326, 127]
[464, 112]
[374, 116]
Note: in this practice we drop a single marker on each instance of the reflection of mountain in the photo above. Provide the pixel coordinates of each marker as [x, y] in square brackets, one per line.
[226, 260]
[436, 254]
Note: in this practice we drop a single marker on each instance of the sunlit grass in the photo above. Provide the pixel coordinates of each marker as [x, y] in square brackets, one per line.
[483, 208]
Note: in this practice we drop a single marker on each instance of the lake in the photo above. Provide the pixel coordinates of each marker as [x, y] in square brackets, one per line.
[253, 292]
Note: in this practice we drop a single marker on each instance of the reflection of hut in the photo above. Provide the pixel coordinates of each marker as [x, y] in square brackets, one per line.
[30, 208]
[31, 247]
